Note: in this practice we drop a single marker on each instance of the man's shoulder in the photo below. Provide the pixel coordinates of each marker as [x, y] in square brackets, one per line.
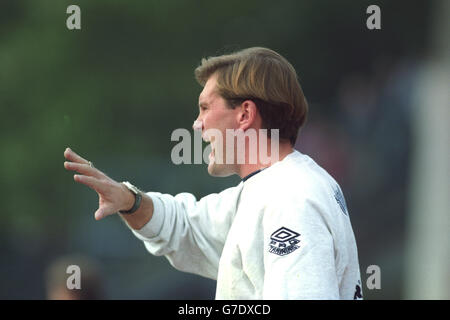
[226, 194]
[297, 178]
[302, 176]
[298, 183]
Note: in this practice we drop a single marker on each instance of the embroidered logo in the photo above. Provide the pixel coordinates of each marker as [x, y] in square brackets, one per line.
[338, 195]
[358, 292]
[283, 241]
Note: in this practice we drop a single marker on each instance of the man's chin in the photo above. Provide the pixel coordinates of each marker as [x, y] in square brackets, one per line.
[219, 170]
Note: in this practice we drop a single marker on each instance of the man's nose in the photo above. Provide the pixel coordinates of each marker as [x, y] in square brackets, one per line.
[198, 125]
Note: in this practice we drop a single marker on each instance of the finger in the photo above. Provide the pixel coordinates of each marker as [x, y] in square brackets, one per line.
[103, 212]
[70, 155]
[91, 182]
[83, 169]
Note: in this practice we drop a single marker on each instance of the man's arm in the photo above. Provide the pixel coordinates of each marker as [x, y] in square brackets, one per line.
[142, 216]
[113, 196]
[304, 266]
[190, 233]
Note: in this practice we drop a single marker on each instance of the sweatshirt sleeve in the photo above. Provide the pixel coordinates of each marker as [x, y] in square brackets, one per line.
[190, 233]
[299, 256]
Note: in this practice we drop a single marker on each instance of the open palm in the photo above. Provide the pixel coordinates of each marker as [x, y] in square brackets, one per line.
[112, 195]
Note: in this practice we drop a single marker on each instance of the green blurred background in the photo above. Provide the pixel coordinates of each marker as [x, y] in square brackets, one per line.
[116, 89]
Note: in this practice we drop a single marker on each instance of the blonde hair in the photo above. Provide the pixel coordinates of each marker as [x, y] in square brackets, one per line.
[266, 78]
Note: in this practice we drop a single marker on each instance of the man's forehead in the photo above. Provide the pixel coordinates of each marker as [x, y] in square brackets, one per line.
[208, 91]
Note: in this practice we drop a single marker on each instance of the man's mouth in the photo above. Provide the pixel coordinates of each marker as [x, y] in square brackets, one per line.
[206, 138]
[211, 154]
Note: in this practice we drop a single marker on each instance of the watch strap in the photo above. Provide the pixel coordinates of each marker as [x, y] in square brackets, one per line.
[137, 202]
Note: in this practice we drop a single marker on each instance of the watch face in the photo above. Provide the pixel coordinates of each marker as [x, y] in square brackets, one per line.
[135, 190]
[131, 187]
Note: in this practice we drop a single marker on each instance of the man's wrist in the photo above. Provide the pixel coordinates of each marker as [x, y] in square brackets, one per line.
[142, 216]
[134, 198]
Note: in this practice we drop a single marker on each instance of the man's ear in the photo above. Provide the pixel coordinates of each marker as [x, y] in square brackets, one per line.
[247, 115]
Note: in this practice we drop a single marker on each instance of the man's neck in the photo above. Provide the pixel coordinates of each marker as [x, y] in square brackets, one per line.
[248, 168]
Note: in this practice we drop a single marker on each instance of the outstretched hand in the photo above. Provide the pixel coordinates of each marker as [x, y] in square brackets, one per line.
[112, 195]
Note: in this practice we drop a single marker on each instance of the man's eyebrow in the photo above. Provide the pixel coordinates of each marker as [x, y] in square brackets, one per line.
[202, 104]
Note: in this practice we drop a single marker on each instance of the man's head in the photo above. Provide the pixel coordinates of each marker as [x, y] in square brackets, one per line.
[253, 88]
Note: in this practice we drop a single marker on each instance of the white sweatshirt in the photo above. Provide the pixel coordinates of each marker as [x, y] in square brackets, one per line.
[284, 233]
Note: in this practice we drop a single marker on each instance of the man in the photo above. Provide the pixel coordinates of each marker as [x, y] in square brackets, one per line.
[284, 231]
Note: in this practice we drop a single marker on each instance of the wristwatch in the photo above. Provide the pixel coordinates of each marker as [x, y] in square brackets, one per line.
[137, 198]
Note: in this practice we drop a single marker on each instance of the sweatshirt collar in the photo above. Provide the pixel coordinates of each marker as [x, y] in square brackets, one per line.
[292, 154]
[252, 174]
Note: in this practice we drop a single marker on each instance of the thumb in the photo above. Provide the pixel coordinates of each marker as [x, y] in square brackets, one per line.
[103, 212]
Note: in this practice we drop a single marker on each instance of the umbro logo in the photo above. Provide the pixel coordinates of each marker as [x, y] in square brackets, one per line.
[284, 241]
[339, 196]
